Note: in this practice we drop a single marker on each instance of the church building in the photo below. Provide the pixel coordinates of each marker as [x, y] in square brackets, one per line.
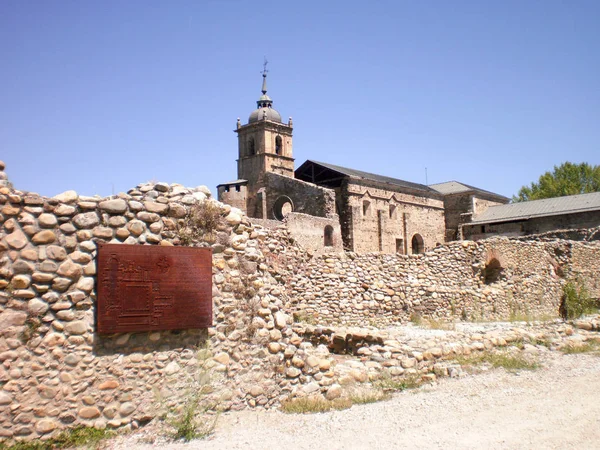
[328, 207]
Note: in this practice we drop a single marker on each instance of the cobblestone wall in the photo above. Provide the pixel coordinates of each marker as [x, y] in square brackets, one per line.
[494, 279]
[58, 372]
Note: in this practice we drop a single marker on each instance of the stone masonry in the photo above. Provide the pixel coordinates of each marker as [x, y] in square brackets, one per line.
[57, 372]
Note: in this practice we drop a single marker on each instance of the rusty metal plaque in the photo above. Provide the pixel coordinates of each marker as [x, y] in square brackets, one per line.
[147, 288]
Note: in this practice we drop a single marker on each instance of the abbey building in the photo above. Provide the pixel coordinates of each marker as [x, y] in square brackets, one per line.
[327, 207]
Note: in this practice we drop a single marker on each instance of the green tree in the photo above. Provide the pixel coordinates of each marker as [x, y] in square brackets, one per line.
[566, 179]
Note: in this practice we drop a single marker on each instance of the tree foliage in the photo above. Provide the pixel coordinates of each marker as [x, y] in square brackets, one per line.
[566, 179]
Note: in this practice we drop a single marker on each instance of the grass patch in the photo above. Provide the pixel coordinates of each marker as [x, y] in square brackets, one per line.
[416, 318]
[311, 405]
[200, 223]
[368, 396]
[85, 437]
[389, 384]
[192, 416]
[436, 324]
[584, 347]
[508, 361]
[576, 301]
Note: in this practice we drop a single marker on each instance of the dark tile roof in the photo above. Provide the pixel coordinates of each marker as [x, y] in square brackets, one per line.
[374, 177]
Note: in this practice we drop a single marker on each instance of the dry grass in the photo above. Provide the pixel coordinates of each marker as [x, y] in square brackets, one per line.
[584, 347]
[311, 405]
[511, 362]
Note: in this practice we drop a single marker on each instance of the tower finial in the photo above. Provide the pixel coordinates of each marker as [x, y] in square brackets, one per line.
[264, 74]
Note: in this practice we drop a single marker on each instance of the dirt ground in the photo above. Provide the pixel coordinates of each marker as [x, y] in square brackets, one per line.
[554, 407]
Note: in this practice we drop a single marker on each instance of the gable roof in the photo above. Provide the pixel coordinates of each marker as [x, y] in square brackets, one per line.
[368, 176]
[539, 208]
[455, 187]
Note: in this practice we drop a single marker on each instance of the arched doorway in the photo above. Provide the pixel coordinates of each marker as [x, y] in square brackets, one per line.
[417, 244]
[328, 236]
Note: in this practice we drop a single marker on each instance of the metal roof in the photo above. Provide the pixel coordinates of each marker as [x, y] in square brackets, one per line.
[539, 208]
[374, 177]
[455, 187]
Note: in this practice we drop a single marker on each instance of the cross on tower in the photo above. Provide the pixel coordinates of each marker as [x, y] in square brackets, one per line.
[264, 72]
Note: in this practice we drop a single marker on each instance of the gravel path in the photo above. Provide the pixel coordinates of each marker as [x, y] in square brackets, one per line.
[555, 407]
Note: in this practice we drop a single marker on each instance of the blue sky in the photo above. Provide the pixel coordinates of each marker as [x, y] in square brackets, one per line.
[100, 96]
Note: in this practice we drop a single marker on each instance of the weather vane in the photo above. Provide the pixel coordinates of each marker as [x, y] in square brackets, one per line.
[265, 66]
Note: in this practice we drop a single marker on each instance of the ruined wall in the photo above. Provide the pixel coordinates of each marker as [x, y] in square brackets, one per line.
[585, 265]
[389, 217]
[450, 282]
[307, 198]
[310, 232]
[58, 372]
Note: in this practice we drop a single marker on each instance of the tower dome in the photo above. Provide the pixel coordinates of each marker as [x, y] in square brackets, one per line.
[264, 106]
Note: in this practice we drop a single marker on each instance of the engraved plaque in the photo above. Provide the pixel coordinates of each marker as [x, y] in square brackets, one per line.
[147, 288]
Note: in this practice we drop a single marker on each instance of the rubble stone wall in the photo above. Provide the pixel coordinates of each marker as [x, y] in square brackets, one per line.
[57, 372]
[489, 280]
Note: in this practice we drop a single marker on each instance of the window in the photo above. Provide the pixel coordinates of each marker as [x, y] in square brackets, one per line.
[278, 145]
[366, 207]
[283, 205]
[237, 188]
[417, 244]
[392, 211]
[400, 246]
[328, 236]
[251, 149]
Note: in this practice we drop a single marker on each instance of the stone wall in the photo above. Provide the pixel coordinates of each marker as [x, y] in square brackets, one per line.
[309, 232]
[494, 279]
[307, 198]
[377, 219]
[57, 372]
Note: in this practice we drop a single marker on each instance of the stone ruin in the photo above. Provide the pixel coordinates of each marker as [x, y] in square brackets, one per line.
[284, 319]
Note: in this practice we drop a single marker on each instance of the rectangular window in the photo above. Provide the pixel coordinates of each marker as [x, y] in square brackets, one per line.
[366, 207]
[392, 211]
[400, 246]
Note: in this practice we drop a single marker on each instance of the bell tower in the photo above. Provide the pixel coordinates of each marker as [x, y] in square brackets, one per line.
[264, 143]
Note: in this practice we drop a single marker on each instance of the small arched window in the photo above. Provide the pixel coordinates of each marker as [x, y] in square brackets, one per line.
[417, 244]
[251, 148]
[278, 145]
[328, 236]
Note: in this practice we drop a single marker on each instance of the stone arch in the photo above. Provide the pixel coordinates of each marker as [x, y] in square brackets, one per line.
[328, 236]
[417, 245]
[282, 206]
[278, 145]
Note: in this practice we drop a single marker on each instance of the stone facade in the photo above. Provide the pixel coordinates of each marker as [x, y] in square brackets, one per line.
[377, 218]
[375, 213]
